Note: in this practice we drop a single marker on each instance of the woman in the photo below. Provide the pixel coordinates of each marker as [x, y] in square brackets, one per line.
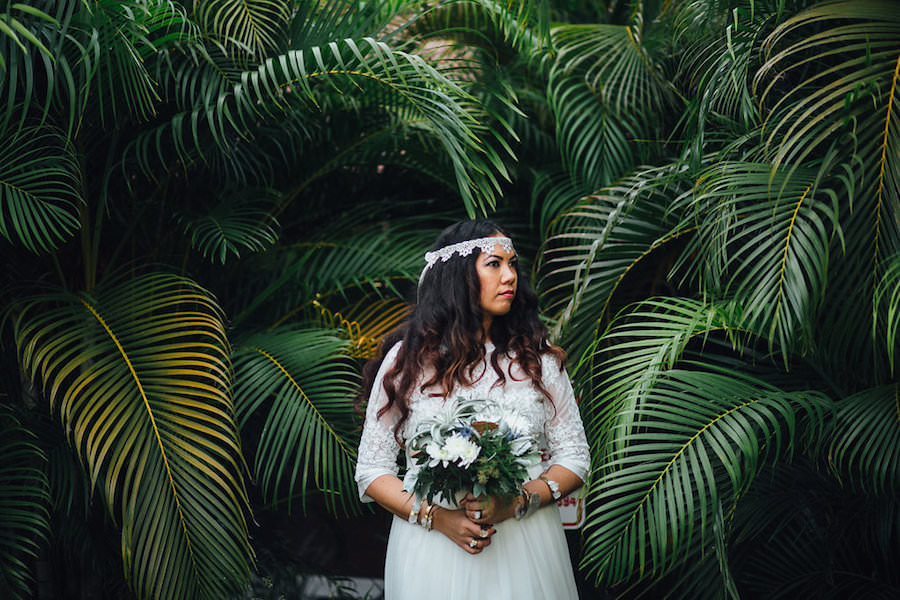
[474, 334]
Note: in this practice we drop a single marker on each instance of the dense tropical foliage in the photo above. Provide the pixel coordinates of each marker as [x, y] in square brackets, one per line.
[212, 211]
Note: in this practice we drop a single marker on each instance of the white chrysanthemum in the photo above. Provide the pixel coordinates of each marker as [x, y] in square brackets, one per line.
[461, 449]
[438, 454]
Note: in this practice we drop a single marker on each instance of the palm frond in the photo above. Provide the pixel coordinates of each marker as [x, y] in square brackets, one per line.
[717, 69]
[886, 324]
[596, 243]
[553, 193]
[366, 323]
[347, 74]
[766, 240]
[18, 32]
[371, 259]
[604, 85]
[117, 39]
[642, 344]
[24, 502]
[40, 189]
[255, 28]
[866, 442]
[303, 384]
[851, 103]
[700, 439]
[240, 223]
[523, 25]
[138, 373]
[320, 23]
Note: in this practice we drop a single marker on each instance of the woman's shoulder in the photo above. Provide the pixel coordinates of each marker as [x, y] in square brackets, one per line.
[390, 355]
[552, 363]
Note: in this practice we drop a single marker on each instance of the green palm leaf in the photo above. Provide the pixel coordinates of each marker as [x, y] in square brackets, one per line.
[642, 345]
[346, 74]
[40, 189]
[239, 223]
[886, 325]
[138, 373]
[851, 103]
[24, 500]
[700, 440]
[866, 441]
[604, 87]
[366, 323]
[118, 40]
[523, 24]
[771, 236]
[302, 384]
[18, 32]
[596, 243]
[717, 68]
[256, 27]
[370, 259]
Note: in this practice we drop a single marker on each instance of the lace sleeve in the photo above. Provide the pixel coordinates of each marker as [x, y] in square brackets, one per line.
[566, 441]
[377, 448]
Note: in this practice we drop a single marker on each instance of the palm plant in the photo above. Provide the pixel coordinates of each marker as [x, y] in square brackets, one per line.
[148, 143]
[198, 252]
[770, 214]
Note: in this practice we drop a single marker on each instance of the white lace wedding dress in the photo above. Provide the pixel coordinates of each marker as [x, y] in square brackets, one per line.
[527, 559]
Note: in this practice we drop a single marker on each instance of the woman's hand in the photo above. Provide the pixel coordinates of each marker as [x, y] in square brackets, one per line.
[462, 531]
[488, 510]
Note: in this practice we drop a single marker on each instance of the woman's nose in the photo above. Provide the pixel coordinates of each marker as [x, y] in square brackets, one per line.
[509, 273]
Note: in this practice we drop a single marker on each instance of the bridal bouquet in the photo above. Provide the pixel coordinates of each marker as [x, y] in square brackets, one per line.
[457, 453]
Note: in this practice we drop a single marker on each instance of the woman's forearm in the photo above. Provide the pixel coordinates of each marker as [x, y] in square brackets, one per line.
[387, 491]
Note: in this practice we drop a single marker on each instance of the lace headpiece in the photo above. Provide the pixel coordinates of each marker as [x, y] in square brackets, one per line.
[465, 248]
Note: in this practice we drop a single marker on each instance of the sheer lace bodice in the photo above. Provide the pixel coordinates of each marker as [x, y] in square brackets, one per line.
[556, 423]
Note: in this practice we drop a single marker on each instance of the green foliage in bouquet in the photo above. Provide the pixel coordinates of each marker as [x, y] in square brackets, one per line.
[456, 453]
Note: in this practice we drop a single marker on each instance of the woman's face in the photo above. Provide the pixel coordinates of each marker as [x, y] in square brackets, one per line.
[497, 274]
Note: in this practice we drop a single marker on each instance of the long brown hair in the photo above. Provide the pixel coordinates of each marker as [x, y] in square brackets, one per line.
[445, 331]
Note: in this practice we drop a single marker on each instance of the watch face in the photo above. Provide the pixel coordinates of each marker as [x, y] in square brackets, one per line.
[554, 488]
[520, 510]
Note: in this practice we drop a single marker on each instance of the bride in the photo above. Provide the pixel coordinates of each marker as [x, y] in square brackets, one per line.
[474, 334]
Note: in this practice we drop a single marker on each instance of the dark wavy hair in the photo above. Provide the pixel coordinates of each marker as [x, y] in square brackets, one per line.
[445, 329]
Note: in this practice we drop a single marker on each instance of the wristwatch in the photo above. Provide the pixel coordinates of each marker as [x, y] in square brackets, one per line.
[531, 501]
[554, 487]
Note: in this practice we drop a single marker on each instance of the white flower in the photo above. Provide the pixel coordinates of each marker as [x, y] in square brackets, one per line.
[461, 449]
[438, 454]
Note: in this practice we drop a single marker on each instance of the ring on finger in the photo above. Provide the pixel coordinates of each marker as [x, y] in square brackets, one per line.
[483, 533]
[473, 544]
[476, 514]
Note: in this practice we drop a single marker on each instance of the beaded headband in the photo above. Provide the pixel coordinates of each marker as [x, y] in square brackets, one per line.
[464, 249]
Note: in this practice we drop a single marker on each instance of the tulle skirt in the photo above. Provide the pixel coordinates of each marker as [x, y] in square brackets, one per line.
[527, 560]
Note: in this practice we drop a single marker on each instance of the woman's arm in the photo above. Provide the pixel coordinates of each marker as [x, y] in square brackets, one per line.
[387, 490]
